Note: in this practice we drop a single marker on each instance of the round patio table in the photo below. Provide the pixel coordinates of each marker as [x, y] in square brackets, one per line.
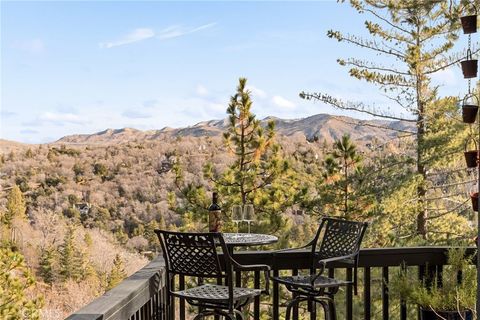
[248, 239]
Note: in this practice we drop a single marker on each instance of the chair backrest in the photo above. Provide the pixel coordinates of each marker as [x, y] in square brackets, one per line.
[340, 237]
[192, 254]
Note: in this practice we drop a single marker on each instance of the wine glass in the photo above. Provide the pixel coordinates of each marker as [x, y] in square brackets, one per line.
[237, 214]
[248, 214]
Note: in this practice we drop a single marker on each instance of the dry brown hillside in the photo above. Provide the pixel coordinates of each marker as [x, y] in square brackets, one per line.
[324, 127]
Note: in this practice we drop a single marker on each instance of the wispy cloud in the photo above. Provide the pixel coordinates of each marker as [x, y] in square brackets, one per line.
[282, 102]
[141, 34]
[257, 92]
[178, 31]
[136, 35]
[56, 119]
[61, 118]
[33, 46]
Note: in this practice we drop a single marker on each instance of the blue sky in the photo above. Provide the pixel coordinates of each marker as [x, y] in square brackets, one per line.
[82, 67]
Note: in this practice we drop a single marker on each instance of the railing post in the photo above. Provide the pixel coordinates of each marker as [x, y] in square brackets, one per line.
[295, 308]
[256, 302]
[421, 277]
[172, 300]
[385, 302]
[403, 303]
[181, 285]
[349, 295]
[275, 296]
[366, 294]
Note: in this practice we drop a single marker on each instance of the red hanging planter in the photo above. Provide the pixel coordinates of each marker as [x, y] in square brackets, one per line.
[471, 156]
[469, 23]
[469, 66]
[474, 197]
[469, 108]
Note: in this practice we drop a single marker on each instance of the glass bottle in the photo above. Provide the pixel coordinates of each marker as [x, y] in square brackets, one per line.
[214, 215]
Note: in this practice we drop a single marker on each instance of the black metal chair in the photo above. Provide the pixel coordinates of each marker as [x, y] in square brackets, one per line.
[196, 255]
[340, 242]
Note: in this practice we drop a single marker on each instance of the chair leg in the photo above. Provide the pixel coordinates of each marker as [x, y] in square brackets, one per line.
[326, 310]
[289, 310]
[333, 312]
[198, 316]
[293, 303]
[216, 312]
[313, 309]
[238, 313]
[329, 306]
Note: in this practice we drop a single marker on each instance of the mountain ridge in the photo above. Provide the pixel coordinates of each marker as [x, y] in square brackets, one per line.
[321, 127]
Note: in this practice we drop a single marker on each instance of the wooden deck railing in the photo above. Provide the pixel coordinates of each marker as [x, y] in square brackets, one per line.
[142, 295]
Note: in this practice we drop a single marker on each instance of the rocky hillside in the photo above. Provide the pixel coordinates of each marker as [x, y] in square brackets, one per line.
[322, 126]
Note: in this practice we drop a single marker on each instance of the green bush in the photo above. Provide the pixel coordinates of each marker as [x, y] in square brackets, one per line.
[447, 295]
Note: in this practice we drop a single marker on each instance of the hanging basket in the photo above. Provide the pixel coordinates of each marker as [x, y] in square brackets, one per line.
[469, 66]
[471, 156]
[469, 108]
[474, 197]
[469, 23]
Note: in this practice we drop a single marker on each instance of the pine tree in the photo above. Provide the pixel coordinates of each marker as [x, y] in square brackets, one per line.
[260, 173]
[29, 153]
[46, 261]
[67, 256]
[416, 36]
[341, 190]
[16, 279]
[117, 274]
[87, 238]
[71, 259]
[16, 207]
[250, 143]
[149, 233]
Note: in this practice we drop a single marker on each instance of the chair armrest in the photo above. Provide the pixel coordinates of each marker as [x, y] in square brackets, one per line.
[255, 267]
[251, 267]
[274, 253]
[323, 263]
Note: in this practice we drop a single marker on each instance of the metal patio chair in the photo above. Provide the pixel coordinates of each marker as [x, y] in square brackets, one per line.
[340, 241]
[196, 255]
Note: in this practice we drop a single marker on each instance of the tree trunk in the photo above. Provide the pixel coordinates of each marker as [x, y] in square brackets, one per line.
[421, 92]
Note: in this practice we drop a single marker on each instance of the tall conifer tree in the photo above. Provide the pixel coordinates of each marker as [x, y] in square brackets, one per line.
[260, 174]
[117, 274]
[342, 185]
[414, 37]
[16, 207]
[72, 261]
[46, 262]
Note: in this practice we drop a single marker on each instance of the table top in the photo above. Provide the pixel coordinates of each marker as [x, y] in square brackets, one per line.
[248, 239]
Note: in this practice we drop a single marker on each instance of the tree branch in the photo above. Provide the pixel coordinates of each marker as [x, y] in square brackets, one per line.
[359, 107]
